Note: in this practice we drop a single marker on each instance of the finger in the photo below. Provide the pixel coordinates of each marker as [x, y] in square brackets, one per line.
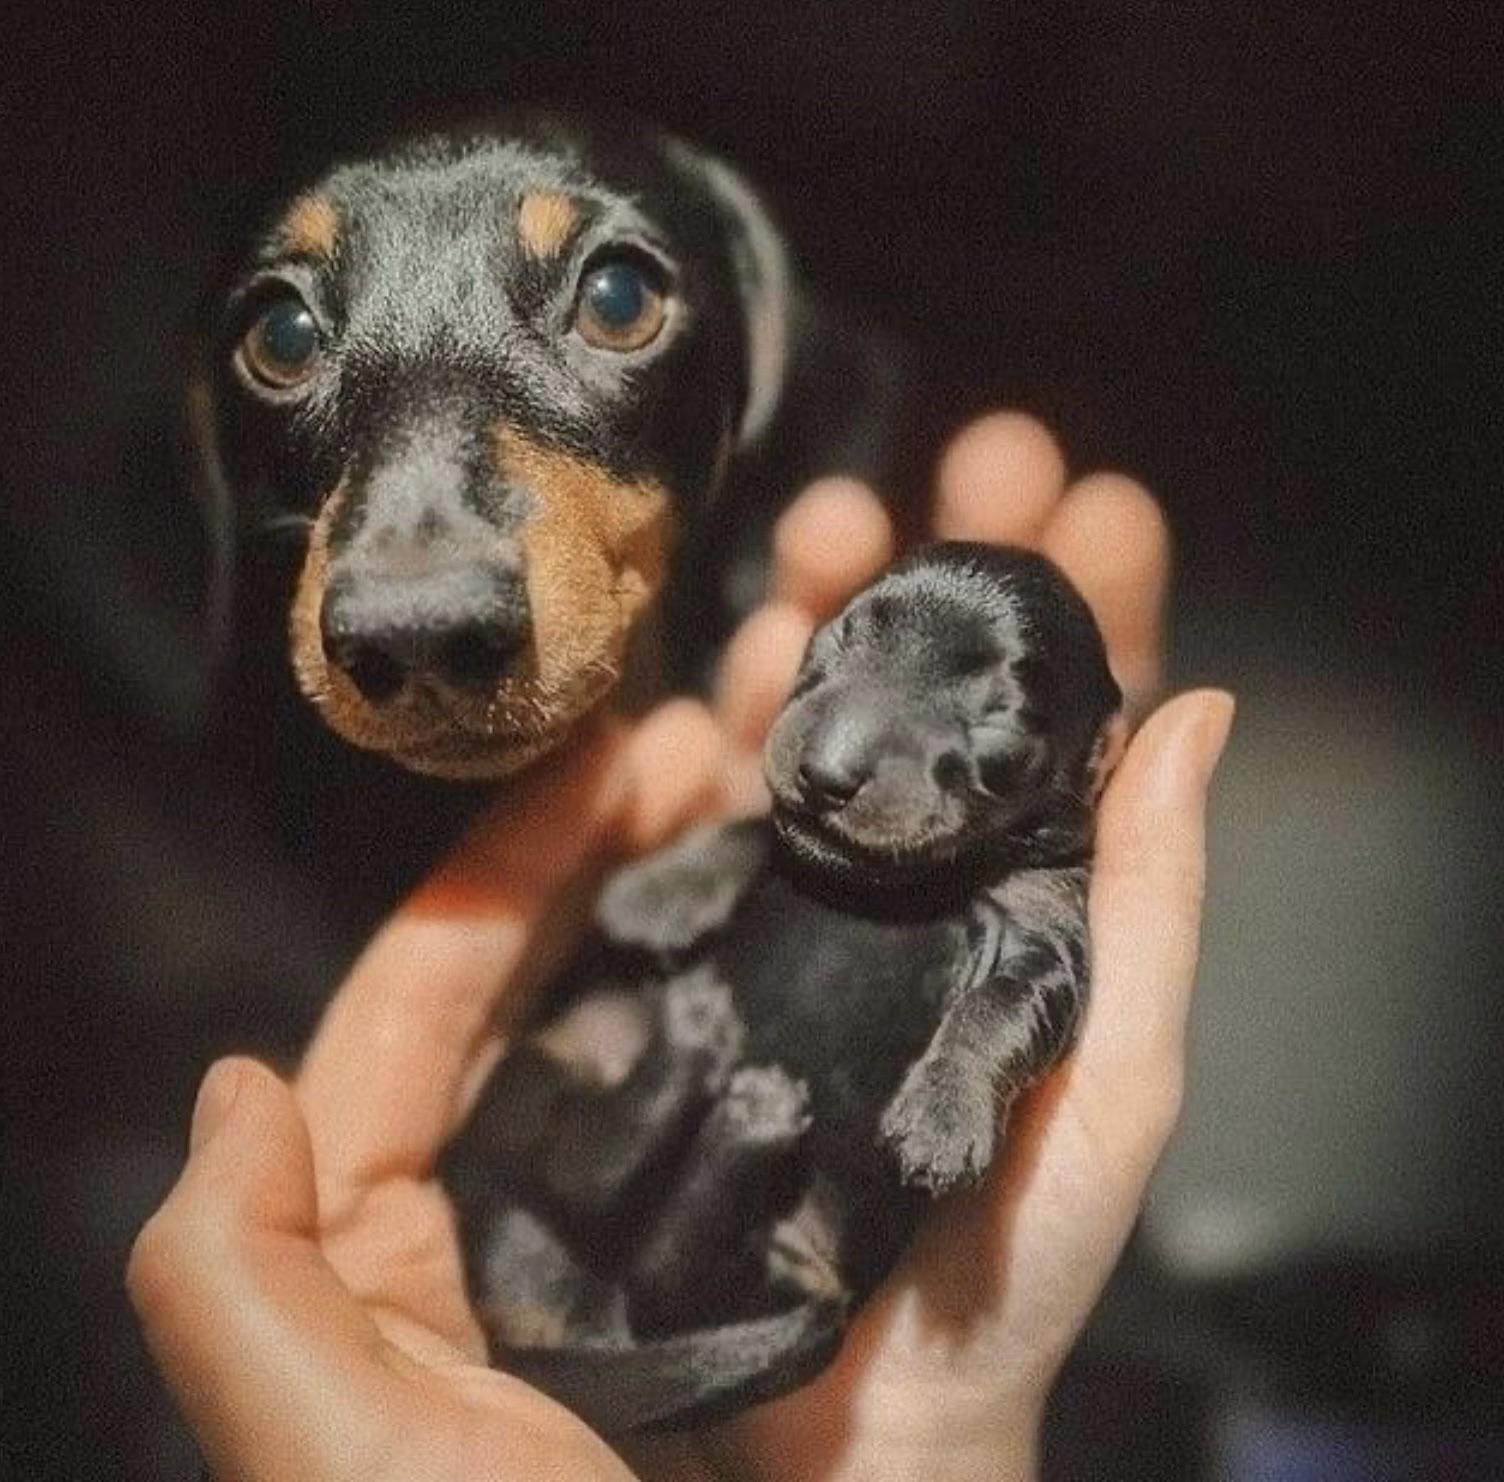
[998, 480]
[677, 759]
[832, 540]
[758, 669]
[272, 1362]
[1110, 537]
[1146, 896]
[542, 828]
[385, 1079]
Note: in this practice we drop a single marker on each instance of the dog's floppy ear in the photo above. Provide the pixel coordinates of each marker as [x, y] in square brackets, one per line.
[199, 442]
[765, 280]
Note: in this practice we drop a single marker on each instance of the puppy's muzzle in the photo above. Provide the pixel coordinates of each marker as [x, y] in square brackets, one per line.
[841, 755]
[871, 766]
[456, 627]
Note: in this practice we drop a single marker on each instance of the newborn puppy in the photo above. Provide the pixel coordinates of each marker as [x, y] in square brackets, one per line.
[791, 1032]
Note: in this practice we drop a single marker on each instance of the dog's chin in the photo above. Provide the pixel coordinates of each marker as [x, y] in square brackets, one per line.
[840, 853]
[470, 744]
[475, 759]
[453, 753]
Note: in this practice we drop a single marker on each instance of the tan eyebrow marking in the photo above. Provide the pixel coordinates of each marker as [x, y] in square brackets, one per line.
[545, 221]
[310, 228]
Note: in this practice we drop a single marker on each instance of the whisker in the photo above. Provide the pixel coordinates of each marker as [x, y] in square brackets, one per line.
[287, 523]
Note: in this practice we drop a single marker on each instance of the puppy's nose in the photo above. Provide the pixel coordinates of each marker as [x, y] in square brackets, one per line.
[459, 626]
[832, 771]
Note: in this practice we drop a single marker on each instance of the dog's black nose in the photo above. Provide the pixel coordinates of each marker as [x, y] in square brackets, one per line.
[460, 627]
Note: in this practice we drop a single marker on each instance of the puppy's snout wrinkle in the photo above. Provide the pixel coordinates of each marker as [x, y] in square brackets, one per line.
[459, 627]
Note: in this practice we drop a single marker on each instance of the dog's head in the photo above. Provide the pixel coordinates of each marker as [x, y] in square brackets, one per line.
[491, 372]
[961, 705]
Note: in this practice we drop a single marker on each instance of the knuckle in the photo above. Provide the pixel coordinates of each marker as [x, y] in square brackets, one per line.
[186, 1240]
[151, 1265]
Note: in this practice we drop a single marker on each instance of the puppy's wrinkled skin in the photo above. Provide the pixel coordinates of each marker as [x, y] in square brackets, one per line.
[842, 1002]
[517, 383]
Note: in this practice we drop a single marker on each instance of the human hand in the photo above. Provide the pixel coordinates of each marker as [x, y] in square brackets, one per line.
[944, 1375]
[302, 1285]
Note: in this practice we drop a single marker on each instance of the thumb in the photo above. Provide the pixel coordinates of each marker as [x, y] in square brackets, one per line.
[1146, 895]
[267, 1353]
[249, 1157]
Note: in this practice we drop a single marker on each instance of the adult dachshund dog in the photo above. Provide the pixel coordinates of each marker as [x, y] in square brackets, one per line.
[523, 386]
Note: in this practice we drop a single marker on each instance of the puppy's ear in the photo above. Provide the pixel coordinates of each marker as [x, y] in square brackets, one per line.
[764, 280]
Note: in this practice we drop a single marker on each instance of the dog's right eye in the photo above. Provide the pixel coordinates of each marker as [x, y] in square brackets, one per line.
[282, 347]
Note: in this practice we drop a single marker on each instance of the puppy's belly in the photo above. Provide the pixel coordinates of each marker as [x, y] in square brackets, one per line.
[846, 1004]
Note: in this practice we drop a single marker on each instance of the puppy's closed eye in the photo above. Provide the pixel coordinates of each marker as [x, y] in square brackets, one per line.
[975, 656]
[1001, 772]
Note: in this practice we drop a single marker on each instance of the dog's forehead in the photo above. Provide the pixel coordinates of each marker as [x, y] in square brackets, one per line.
[949, 615]
[397, 219]
[448, 246]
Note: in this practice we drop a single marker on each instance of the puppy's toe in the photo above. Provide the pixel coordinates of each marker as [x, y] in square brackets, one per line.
[700, 1020]
[941, 1127]
[536, 1293]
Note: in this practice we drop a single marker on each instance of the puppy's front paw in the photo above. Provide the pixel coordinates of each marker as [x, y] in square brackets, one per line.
[701, 1023]
[942, 1125]
[669, 900]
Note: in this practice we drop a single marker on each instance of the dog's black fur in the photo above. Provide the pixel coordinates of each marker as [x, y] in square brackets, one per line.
[791, 1031]
[404, 364]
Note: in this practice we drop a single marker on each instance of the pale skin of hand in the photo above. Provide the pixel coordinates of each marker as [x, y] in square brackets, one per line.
[301, 1285]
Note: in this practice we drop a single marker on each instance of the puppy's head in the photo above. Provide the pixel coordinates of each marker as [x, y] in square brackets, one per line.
[961, 704]
[489, 373]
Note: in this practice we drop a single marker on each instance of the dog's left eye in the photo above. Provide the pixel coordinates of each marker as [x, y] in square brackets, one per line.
[620, 305]
[281, 349]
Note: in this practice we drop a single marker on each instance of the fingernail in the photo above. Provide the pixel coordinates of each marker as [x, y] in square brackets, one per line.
[1217, 716]
[218, 1093]
[1213, 727]
[1190, 752]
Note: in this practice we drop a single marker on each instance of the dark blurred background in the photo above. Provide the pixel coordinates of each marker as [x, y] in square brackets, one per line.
[1248, 253]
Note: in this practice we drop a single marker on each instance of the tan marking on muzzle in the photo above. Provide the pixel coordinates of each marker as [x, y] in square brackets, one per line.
[545, 222]
[310, 665]
[595, 550]
[310, 228]
[406, 729]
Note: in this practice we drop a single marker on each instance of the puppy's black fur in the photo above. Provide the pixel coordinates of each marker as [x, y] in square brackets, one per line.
[792, 1031]
[516, 383]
